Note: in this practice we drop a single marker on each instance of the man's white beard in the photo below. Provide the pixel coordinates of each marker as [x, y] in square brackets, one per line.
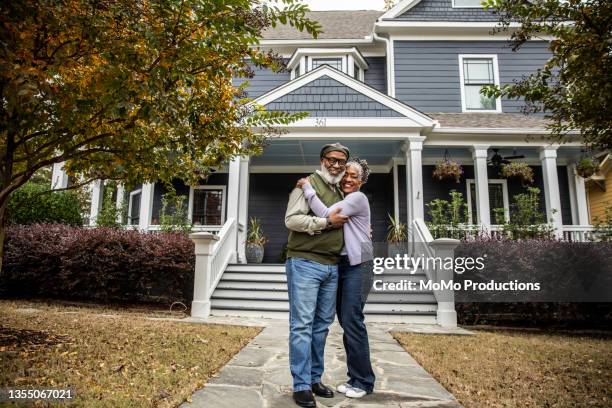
[329, 178]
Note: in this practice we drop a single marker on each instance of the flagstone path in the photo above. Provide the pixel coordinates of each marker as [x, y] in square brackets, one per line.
[259, 375]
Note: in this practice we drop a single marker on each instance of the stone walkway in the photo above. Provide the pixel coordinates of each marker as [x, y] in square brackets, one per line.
[259, 375]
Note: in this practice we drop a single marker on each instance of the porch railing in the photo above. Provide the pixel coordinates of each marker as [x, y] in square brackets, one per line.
[424, 244]
[213, 253]
[578, 233]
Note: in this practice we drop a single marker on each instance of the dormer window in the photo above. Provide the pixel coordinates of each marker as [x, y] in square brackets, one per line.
[467, 4]
[348, 60]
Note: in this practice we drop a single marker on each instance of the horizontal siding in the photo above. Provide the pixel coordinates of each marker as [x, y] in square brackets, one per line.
[427, 72]
[599, 200]
[264, 80]
[376, 74]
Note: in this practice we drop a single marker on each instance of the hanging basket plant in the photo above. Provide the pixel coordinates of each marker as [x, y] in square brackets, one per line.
[448, 169]
[586, 167]
[518, 170]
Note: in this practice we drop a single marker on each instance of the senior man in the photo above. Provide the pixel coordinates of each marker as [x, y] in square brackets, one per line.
[313, 252]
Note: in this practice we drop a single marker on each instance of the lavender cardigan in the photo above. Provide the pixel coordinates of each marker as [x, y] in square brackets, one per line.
[357, 240]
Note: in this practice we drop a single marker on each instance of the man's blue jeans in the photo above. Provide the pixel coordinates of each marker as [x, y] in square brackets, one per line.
[312, 303]
[353, 288]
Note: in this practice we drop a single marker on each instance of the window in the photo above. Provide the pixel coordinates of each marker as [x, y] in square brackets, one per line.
[348, 60]
[207, 205]
[134, 207]
[477, 71]
[332, 62]
[498, 198]
[467, 3]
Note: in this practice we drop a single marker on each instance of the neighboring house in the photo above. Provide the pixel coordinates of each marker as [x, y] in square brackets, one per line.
[599, 189]
[401, 89]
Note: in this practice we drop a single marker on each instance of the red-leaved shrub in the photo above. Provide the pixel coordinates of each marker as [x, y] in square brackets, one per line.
[102, 264]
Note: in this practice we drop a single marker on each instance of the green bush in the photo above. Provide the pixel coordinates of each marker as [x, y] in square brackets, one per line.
[32, 203]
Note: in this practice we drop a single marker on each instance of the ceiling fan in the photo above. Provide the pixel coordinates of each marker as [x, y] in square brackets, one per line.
[497, 160]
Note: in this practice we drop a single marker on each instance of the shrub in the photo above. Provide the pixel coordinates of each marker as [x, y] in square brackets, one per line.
[526, 219]
[102, 264]
[449, 218]
[574, 282]
[110, 215]
[174, 213]
[33, 203]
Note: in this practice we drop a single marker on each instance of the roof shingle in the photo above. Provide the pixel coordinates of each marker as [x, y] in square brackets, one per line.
[490, 120]
[340, 24]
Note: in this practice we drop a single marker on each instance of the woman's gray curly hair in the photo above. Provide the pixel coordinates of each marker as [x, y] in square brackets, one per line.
[362, 166]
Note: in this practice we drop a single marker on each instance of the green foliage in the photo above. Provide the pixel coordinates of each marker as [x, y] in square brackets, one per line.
[174, 213]
[449, 219]
[448, 169]
[574, 86]
[134, 91]
[35, 203]
[110, 215]
[603, 226]
[519, 170]
[397, 231]
[526, 219]
[255, 233]
[587, 166]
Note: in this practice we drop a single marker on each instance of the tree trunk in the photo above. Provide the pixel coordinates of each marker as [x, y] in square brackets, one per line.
[3, 206]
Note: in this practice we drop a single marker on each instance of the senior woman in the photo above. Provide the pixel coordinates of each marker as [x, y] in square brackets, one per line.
[355, 274]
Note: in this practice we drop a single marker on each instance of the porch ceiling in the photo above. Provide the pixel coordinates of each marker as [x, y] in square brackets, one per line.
[306, 152]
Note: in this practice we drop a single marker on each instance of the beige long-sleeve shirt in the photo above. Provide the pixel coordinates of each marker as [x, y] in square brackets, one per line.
[297, 218]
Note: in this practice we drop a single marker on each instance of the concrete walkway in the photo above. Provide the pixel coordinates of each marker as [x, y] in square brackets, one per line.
[259, 375]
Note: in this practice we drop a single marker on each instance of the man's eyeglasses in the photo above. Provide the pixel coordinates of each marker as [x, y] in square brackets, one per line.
[333, 161]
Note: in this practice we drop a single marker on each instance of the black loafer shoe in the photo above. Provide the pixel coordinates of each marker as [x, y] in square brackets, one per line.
[322, 390]
[304, 399]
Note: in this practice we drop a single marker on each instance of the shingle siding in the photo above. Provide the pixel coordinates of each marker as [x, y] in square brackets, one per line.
[427, 72]
[326, 97]
[442, 10]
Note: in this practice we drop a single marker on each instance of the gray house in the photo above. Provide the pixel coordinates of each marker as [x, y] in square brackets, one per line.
[401, 89]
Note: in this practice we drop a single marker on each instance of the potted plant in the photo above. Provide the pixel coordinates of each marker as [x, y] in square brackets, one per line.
[448, 169]
[255, 242]
[518, 170]
[586, 167]
[397, 236]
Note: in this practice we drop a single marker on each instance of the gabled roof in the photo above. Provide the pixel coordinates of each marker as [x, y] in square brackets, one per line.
[474, 120]
[437, 10]
[341, 24]
[327, 92]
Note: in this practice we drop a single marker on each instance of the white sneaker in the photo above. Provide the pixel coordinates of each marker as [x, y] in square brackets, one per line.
[342, 388]
[354, 392]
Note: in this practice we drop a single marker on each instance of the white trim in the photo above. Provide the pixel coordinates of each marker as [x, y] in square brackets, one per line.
[505, 198]
[419, 118]
[453, 5]
[445, 36]
[207, 187]
[129, 214]
[440, 24]
[396, 212]
[399, 9]
[315, 42]
[493, 57]
[300, 53]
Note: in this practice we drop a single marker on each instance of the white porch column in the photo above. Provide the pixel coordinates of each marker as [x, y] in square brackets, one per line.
[59, 178]
[204, 242]
[146, 206]
[480, 154]
[548, 158]
[414, 179]
[233, 194]
[578, 197]
[396, 213]
[243, 208]
[119, 202]
[97, 195]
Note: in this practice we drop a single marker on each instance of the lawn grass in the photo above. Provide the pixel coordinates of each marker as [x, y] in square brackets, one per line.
[509, 368]
[111, 357]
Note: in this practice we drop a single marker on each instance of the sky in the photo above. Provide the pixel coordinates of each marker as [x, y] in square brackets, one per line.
[345, 4]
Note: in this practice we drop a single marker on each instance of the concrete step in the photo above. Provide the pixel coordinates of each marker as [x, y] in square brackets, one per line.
[262, 285]
[255, 268]
[253, 277]
[283, 305]
[264, 294]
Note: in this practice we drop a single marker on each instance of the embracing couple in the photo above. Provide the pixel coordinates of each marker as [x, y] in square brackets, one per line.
[329, 270]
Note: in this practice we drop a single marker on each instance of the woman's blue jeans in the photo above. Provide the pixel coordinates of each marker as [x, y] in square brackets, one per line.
[353, 288]
[312, 303]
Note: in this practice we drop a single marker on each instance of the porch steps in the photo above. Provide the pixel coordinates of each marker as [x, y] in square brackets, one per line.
[261, 291]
